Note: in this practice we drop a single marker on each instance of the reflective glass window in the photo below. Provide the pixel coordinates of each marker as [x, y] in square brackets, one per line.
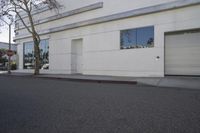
[29, 58]
[137, 38]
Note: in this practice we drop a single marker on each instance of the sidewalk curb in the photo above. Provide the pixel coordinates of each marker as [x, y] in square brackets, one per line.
[169, 82]
[74, 79]
[91, 80]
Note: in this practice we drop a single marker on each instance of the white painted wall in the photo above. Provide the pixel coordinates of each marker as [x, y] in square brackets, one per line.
[101, 43]
[60, 55]
[20, 55]
[109, 7]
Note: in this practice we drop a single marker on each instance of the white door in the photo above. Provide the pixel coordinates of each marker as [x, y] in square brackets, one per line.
[182, 53]
[77, 56]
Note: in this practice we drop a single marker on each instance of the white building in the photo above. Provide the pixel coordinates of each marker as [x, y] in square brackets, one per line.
[143, 38]
[4, 45]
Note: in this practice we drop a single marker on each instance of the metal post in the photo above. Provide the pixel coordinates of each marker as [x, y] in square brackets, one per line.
[9, 63]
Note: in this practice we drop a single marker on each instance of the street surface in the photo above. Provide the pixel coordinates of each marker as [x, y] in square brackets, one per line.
[33, 105]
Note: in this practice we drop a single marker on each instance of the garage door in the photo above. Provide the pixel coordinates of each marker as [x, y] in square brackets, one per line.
[182, 53]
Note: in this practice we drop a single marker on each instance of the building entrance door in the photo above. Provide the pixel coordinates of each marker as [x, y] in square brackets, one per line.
[77, 56]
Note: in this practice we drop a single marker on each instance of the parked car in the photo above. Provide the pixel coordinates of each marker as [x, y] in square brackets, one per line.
[2, 67]
[45, 66]
[28, 65]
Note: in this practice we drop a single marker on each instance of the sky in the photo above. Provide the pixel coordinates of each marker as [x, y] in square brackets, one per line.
[4, 34]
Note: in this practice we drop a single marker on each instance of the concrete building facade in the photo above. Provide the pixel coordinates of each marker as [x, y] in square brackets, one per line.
[4, 45]
[136, 38]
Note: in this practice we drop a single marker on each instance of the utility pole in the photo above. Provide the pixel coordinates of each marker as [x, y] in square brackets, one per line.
[9, 72]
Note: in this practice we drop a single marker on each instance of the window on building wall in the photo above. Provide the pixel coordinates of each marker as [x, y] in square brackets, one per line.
[137, 38]
[29, 59]
[16, 25]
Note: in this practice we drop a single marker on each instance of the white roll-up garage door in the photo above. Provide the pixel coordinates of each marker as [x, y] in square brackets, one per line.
[182, 53]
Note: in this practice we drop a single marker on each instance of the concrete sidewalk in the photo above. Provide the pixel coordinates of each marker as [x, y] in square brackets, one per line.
[172, 81]
[168, 81]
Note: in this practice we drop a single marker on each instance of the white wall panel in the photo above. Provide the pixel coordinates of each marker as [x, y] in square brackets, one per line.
[60, 62]
[106, 41]
[20, 55]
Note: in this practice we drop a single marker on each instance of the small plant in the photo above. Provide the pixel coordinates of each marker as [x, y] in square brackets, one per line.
[13, 66]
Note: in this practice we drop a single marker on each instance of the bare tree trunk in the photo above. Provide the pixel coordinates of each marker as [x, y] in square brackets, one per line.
[36, 40]
[37, 55]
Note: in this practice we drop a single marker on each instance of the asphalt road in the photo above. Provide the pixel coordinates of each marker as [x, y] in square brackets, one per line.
[29, 105]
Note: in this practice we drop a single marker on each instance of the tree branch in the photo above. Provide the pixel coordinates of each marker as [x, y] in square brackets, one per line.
[23, 22]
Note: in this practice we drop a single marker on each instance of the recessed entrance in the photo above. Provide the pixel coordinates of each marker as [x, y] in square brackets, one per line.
[77, 56]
